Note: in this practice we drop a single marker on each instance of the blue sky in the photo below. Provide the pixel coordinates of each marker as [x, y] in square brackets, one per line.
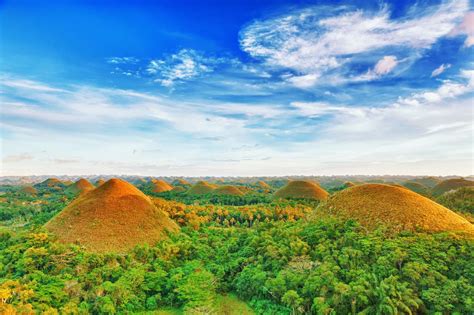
[237, 87]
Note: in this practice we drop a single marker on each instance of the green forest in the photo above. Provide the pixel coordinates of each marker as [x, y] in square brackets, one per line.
[250, 254]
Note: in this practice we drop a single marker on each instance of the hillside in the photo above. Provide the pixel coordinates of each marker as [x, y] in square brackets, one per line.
[417, 187]
[28, 190]
[451, 184]
[397, 208]
[160, 186]
[180, 182]
[81, 186]
[201, 188]
[50, 183]
[100, 182]
[429, 182]
[228, 190]
[114, 217]
[302, 189]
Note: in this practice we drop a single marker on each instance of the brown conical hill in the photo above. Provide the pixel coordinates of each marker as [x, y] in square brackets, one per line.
[180, 182]
[201, 188]
[228, 190]
[50, 182]
[99, 182]
[302, 189]
[28, 190]
[113, 217]
[348, 184]
[262, 184]
[451, 184]
[81, 186]
[179, 189]
[395, 207]
[160, 186]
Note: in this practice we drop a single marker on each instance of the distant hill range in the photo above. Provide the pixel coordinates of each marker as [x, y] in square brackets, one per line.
[275, 181]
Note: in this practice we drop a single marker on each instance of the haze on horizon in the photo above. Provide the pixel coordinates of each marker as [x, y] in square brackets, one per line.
[267, 88]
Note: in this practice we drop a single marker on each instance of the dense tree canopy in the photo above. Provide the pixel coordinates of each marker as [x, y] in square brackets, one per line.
[268, 254]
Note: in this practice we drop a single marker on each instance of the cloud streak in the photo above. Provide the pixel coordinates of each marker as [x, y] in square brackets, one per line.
[184, 65]
[314, 43]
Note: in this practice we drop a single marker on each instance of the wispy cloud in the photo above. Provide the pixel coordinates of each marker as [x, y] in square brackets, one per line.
[436, 72]
[317, 40]
[183, 65]
[432, 125]
[122, 60]
[18, 158]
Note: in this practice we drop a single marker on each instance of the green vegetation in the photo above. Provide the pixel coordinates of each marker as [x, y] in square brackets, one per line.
[247, 255]
[460, 200]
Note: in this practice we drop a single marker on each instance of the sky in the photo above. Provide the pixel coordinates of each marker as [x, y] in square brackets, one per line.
[236, 88]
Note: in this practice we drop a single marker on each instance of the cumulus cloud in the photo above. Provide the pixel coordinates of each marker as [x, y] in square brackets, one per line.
[318, 40]
[183, 65]
[436, 72]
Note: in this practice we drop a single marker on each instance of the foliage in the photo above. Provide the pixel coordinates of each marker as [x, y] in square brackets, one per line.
[461, 200]
[283, 265]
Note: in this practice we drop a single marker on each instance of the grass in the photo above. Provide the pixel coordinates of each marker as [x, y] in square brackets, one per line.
[232, 305]
[228, 304]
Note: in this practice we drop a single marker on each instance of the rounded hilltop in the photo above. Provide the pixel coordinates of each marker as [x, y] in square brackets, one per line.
[28, 190]
[451, 184]
[262, 184]
[80, 186]
[201, 188]
[180, 182]
[50, 182]
[417, 187]
[160, 186]
[302, 189]
[228, 190]
[395, 207]
[99, 182]
[429, 182]
[111, 218]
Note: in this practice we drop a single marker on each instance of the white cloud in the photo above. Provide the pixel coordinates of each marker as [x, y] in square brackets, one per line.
[304, 81]
[315, 109]
[385, 65]
[88, 107]
[436, 72]
[183, 65]
[416, 134]
[310, 42]
[429, 131]
[122, 60]
[27, 84]
[466, 28]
